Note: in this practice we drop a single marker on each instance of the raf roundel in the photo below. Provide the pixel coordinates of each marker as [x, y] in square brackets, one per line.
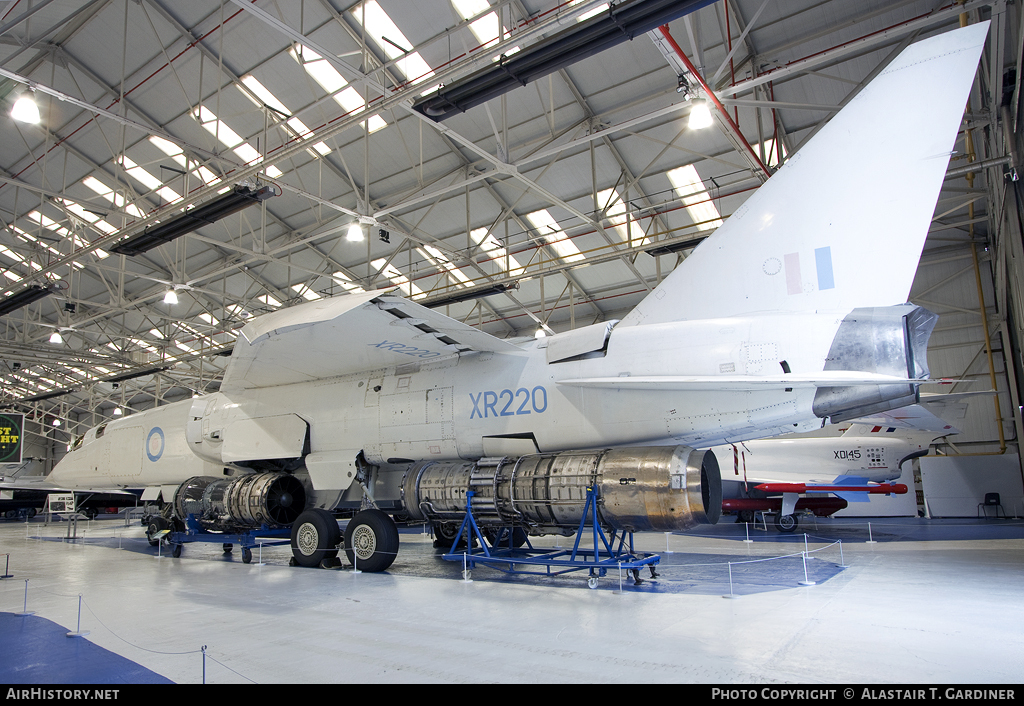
[155, 444]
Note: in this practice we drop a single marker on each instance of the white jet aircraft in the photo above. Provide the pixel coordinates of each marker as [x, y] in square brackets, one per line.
[790, 313]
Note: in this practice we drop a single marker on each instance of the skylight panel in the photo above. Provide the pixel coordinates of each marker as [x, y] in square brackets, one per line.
[443, 263]
[305, 292]
[52, 225]
[268, 300]
[771, 154]
[333, 82]
[592, 13]
[342, 279]
[625, 225]
[208, 318]
[392, 42]
[148, 180]
[95, 219]
[398, 279]
[175, 153]
[231, 139]
[106, 192]
[695, 197]
[269, 99]
[156, 333]
[554, 236]
[489, 244]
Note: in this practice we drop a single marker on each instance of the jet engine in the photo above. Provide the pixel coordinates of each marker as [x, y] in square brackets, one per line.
[249, 501]
[653, 488]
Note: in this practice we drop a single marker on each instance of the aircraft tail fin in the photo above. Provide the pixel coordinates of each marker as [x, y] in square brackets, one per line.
[841, 225]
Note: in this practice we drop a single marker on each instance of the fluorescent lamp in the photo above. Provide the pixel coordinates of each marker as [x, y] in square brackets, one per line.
[355, 233]
[700, 114]
[25, 109]
[55, 337]
[171, 297]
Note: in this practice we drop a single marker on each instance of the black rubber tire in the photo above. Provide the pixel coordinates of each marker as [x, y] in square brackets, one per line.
[519, 537]
[315, 537]
[246, 555]
[227, 548]
[176, 552]
[155, 525]
[30, 513]
[371, 541]
[786, 523]
[91, 512]
[745, 516]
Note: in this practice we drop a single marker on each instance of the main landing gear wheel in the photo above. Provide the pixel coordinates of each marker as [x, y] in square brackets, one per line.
[157, 524]
[499, 537]
[371, 541]
[786, 523]
[315, 537]
[745, 516]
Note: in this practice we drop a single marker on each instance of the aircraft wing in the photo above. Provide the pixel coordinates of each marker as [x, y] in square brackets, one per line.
[48, 487]
[348, 334]
[740, 383]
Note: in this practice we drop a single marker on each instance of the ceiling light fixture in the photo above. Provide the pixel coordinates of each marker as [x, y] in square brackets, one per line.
[171, 297]
[355, 233]
[117, 411]
[55, 337]
[700, 114]
[25, 109]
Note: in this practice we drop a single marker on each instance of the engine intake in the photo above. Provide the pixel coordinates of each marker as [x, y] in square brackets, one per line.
[255, 500]
[653, 488]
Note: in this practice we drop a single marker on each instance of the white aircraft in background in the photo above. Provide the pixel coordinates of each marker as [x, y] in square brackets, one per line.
[791, 312]
[850, 461]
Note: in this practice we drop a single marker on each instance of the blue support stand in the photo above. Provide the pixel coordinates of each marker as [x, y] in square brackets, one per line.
[605, 552]
[246, 540]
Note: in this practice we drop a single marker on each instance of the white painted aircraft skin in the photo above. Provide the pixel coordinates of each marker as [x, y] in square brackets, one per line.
[698, 362]
[820, 460]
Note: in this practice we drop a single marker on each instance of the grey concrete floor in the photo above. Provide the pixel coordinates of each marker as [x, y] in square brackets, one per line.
[931, 602]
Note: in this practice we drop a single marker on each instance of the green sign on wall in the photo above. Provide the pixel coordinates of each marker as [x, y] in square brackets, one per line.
[11, 426]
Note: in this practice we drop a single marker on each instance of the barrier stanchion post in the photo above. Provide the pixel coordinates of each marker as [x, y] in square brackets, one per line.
[746, 526]
[204, 663]
[667, 550]
[25, 611]
[466, 573]
[78, 631]
[806, 581]
[842, 563]
[7, 568]
[731, 593]
[871, 539]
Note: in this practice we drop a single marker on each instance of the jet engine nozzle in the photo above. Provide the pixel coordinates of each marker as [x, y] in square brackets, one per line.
[254, 500]
[641, 489]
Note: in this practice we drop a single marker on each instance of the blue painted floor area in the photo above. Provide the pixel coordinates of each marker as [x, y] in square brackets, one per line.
[34, 650]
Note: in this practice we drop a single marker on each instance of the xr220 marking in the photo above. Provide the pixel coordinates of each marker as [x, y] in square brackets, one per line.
[406, 350]
[522, 401]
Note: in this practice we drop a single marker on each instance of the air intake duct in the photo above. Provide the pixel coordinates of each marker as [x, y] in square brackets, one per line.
[250, 501]
[641, 489]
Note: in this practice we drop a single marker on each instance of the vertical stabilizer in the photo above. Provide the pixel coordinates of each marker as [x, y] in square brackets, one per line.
[842, 224]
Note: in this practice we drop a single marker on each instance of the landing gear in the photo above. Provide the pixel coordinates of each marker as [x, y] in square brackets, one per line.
[371, 541]
[786, 523]
[745, 516]
[506, 537]
[315, 537]
[156, 524]
[246, 555]
[176, 552]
